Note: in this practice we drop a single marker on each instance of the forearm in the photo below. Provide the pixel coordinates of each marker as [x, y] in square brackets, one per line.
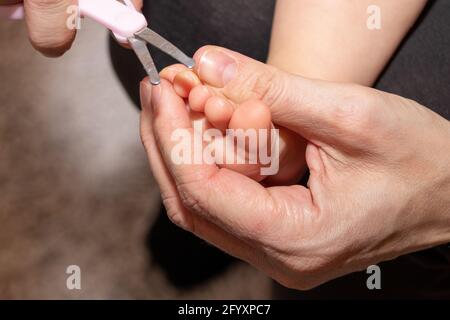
[330, 40]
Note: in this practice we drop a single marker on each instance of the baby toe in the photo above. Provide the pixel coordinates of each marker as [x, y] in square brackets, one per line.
[184, 82]
[218, 112]
[198, 97]
[169, 73]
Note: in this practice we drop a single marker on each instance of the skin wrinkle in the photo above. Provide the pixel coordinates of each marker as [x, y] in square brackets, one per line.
[284, 252]
[171, 202]
[46, 26]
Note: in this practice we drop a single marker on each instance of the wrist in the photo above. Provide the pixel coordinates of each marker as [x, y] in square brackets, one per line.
[436, 195]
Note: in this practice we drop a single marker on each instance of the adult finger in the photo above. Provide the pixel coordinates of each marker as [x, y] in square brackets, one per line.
[47, 24]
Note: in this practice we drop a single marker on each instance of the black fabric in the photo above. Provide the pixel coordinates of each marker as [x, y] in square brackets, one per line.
[420, 71]
[421, 68]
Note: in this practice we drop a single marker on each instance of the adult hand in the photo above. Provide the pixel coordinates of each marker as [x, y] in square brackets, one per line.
[47, 25]
[379, 184]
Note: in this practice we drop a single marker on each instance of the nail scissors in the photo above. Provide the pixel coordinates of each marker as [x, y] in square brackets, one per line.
[129, 25]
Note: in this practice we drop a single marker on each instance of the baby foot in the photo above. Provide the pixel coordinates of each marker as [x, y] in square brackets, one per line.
[228, 116]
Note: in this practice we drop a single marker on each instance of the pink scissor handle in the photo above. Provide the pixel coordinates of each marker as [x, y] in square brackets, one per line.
[124, 21]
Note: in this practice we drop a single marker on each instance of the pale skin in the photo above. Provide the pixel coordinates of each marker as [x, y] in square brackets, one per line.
[329, 39]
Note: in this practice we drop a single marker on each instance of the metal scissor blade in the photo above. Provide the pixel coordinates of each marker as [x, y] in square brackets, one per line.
[141, 50]
[165, 46]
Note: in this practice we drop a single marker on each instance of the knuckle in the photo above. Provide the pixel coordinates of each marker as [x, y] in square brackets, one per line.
[148, 139]
[261, 81]
[170, 203]
[190, 188]
[273, 88]
[47, 26]
[357, 113]
[146, 142]
[305, 272]
[174, 213]
[189, 200]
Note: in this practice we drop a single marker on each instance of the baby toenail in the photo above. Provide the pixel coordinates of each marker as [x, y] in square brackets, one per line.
[217, 68]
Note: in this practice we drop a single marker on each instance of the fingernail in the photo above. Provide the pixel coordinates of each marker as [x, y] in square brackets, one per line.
[145, 93]
[217, 68]
[156, 95]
